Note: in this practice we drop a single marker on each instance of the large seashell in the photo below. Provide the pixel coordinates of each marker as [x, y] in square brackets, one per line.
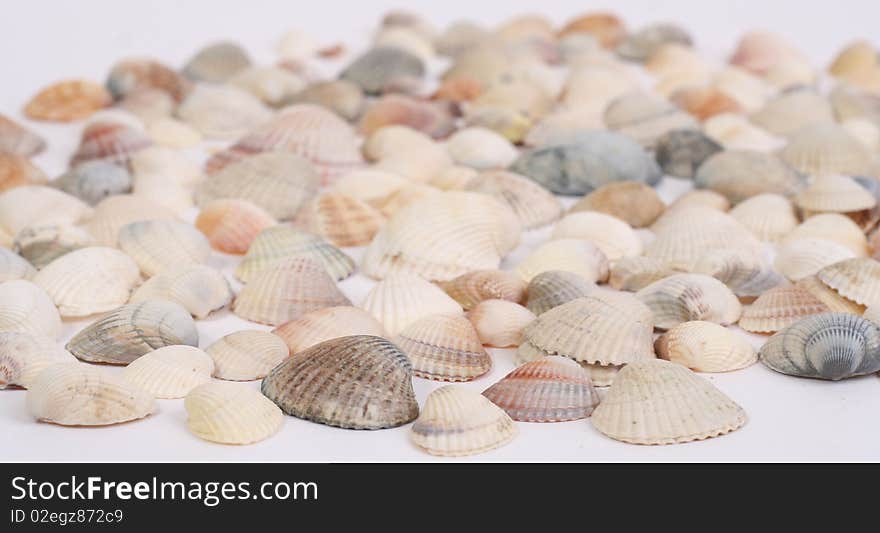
[383, 67]
[217, 62]
[325, 324]
[473, 287]
[231, 414]
[532, 204]
[26, 308]
[500, 323]
[780, 307]
[171, 371]
[481, 148]
[128, 332]
[41, 244]
[401, 299]
[636, 273]
[645, 118]
[271, 85]
[827, 149]
[222, 111]
[855, 279]
[278, 244]
[31, 205]
[16, 171]
[658, 402]
[456, 421]
[92, 181]
[799, 258]
[685, 297]
[231, 225]
[826, 346]
[444, 347]
[705, 347]
[579, 256]
[833, 227]
[341, 219]
[793, 110]
[23, 356]
[680, 152]
[704, 102]
[138, 74]
[607, 28]
[16, 139]
[67, 101]
[355, 382]
[741, 174]
[156, 245]
[343, 97]
[112, 142]
[556, 287]
[735, 132]
[247, 355]
[835, 193]
[74, 394]
[114, 212]
[89, 280]
[433, 118]
[13, 266]
[769, 217]
[613, 236]
[641, 45]
[746, 274]
[635, 203]
[198, 288]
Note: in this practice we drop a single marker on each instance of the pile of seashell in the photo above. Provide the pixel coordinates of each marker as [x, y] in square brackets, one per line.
[432, 183]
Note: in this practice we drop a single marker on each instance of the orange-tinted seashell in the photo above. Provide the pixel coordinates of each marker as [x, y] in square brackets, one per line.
[607, 28]
[432, 118]
[67, 101]
[231, 224]
[705, 102]
[16, 170]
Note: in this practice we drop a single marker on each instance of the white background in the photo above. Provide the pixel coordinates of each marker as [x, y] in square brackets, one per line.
[44, 41]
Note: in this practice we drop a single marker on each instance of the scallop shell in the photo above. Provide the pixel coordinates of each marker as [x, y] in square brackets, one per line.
[128, 332]
[636, 273]
[607, 28]
[705, 347]
[658, 402]
[500, 323]
[23, 356]
[635, 203]
[579, 256]
[401, 299]
[137, 74]
[92, 181]
[42, 244]
[156, 245]
[31, 205]
[641, 45]
[74, 394]
[481, 148]
[217, 62]
[827, 149]
[16, 171]
[556, 287]
[740, 174]
[222, 112]
[247, 355]
[231, 225]
[613, 236]
[171, 371]
[474, 287]
[355, 382]
[735, 132]
[341, 219]
[456, 422]
[686, 297]
[13, 266]
[198, 288]
[855, 279]
[532, 204]
[112, 142]
[681, 152]
[791, 111]
[832, 227]
[231, 414]
[433, 118]
[26, 308]
[16, 139]
[383, 66]
[277, 244]
[746, 274]
[114, 212]
[769, 217]
[67, 101]
[444, 347]
[828, 296]
[325, 324]
[779, 308]
[835, 193]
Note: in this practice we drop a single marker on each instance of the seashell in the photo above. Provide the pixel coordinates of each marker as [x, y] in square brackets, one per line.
[681, 152]
[636, 273]
[383, 66]
[454, 177]
[222, 111]
[137, 74]
[645, 118]
[13, 266]
[341, 219]
[854, 279]
[562, 124]
[864, 131]
[826, 149]
[16, 139]
[156, 245]
[828, 296]
[835, 193]
[525, 95]
[829, 346]
[601, 375]
[271, 85]
[791, 75]
[31, 205]
[297, 44]
[26, 308]
[481, 148]
[432, 118]
[849, 102]
[597, 158]
[832, 227]
[857, 64]
[444, 347]
[247, 355]
[458, 90]
[401, 18]
[705, 347]
[23, 356]
[325, 324]
[779, 308]
[614, 237]
[704, 102]
[231, 414]
[401, 299]
[278, 244]
[803, 257]
[231, 225]
[172, 133]
[686, 297]
[119, 117]
[749, 91]
[607, 28]
[114, 212]
[166, 163]
[579, 256]
[456, 422]
[792, 111]
[217, 62]
[471, 288]
[674, 58]
[111, 142]
[769, 217]
[355, 382]
[641, 45]
[343, 97]
[635, 203]
[197, 288]
[89, 280]
[92, 181]
[500, 323]
[531, 203]
[741, 174]
[459, 36]
[42, 244]
[148, 104]
[74, 394]
[128, 332]
[390, 146]
[592, 87]
[658, 402]
[511, 124]
[760, 51]
[735, 132]
[553, 288]
[373, 187]
[67, 101]
[279, 183]
[746, 274]
[171, 371]
[17, 171]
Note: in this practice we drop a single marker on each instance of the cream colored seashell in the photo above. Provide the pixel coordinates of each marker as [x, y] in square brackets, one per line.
[803, 257]
[197, 288]
[231, 225]
[89, 280]
[601, 375]
[872, 313]
[633, 202]
[14, 266]
[170, 372]
[171, 165]
[74, 394]
[405, 196]
[533, 205]
[592, 88]
[401, 299]
[579, 256]
[835, 193]
[741, 174]
[686, 297]
[278, 244]
[271, 85]
[341, 219]
[827, 148]
[222, 111]
[33, 205]
[563, 123]
[298, 44]
[864, 131]
[791, 74]
[636, 273]
[23, 356]
[854, 59]
[456, 421]
[828, 296]
[671, 58]
[114, 212]
[696, 198]
[149, 104]
[613, 236]
[658, 402]
[779, 308]
[247, 355]
[500, 323]
[855, 279]
[832, 227]
[157, 245]
[791, 111]
[231, 414]
[444, 347]
[407, 153]
[26, 308]
[747, 274]
[769, 217]
[5, 238]
[683, 80]
[705, 347]
[406, 39]
[325, 324]
[735, 132]
[645, 117]
[370, 186]
[474, 287]
[172, 133]
[481, 148]
[749, 90]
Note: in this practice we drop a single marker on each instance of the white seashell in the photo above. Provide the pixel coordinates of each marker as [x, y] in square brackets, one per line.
[857, 279]
[14, 266]
[533, 205]
[373, 187]
[231, 414]
[864, 131]
[828, 296]
[827, 148]
[594, 87]
[197, 288]
[444, 347]
[792, 111]
[613, 236]
[156, 245]
[169, 165]
[500, 323]
[705, 347]
[171, 371]
[686, 297]
[406, 39]
[831, 227]
[481, 148]
[735, 132]
[297, 44]
[779, 308]
[23, 356]
[278, 244]
[407, 153]
[835, 193]
[26, 308]
[271, 85]
[325, 324]
[33, 205]
[769, 217]
[222, 111]
[247, 355]
[114, 212]
[401, 299]
[581, 257]
[172, 133]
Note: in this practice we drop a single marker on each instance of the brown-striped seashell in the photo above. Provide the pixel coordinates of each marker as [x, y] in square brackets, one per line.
[16, 139]
[685, 297]
[26, 308]
[832, 227]
[432, 118]
[791, 111]
[17, 171]
[444, 347]
[741, 174]
[42, 244]
[66, 101]
[23, 356]
[855, 279]
[343, 97]
[217, 62]
[401, 299]
[827, 149]
[579, 256]
[14, 266]
[198, 288]
[278, 244]
[533, 205]
[778, 308]
[607, 28]
[552, 288]
[746, 274]
[500, 323]
[110, 141]
[704, 102]
[458, 90]
[171, 371]
[471, 288]
[633, 202]
[273, 86]
[645, 117]
[231, 224]
[228, 413]
[613, 236]
[835, 193]
[341, 219]
[635, 273]
[828, 296]
[799, 258]
[705, 347]
[383, 67]
[735, 132]
[769, 217]
[114, 212]
[222, 111]
[247, 355]
[92, 181]
[481, 148]
[680, 152]
[658, 402]
[136, 74]
[325, 324]
[156, 245]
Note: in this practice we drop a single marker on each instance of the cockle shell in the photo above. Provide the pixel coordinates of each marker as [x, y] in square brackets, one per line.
[16, 139]
[136, 74]
[481, 148]
[835, 193]
[433, 118]
[31, 205]
[382, 67]
[23, 356]
[156, 245]
[16, 171]
[636, 273]
[217, 62]
[89, 280]
[828, 296]
[613, 236]
[231, 225]
[769, 217]
[41, 244]
[374, 187]
[746, 274]
[341, 219]
[114, 212]
[778, 308]
[444, 347]
[247, 355]
[355, 382]
[705, 347]
[198, 288]
[13, 266]
[635, 203]
[827, 148]
[833, 227]
[849, 102]
[680, 152]
[864, 131]
[750, 91]
[741, 174]
[532, 204]
[74, 394]
[685, 297]
[556, 287]
[271, 85]
[92, 181]
[500, 323]
[799, 258]
[112, 142]
[562, 124]
[26, 308]
[171, 371]
[277, 244]
[645, 118]
[579, 256]
[343, 97]
[474, 287]
[658, 402]
[401, 299]
[456, 421]
[857, 279]
[641, 45]
[407, 153]
[67, 101]
[735, 132]
[830, 346]
[325, 324]
[222, 111]
[402, 18]
[791, 111]
[228, 413]
[607, 28]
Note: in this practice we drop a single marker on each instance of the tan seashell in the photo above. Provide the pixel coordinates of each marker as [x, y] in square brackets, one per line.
[864, 131]
[458, 90]
[231, 225]
[704, 102]
[66, 101]
[769, 217]
[828, 296]
[854, 279]
[579, 256]
[157, 245]
[481, 148]
[563, 124]
[433, 118]
[735, 132]
[112, 142]
[33, 205]
[500, 323]
[26, 308]
[405, 196]
[474, 287]
[674, 57]
[343, 97]
[138, 74]
[791, 74]
[855, 59]
[740, 174]
[645, 118]
[705, 347]
[533, 205]
[114, 212]
[13, 266]
[42, 244]
[247, 355]
[791, 111]
[827, 149]
[832, 227]
[217, 62]
[779, 308]
[170, 372]
[613, 236]
[601, 375]
[592, 88]
[835, 193]
[325, 324]
[16, 170]
[635, 203]
[658, 402]
[750, 91]
[231, 414]
[173, 133]
[746, 274]
[686, 297]
[401, 299]
[279, 244]
[341, 219]
[149, 105]
[803, 257]
[373, 187]
[271, 85]
[636, 273]
[197, 288]
[222, 111]
[16, 139]
[444, 347]
[407, 39]
[453, 178]
[23, 356]
[607, 28]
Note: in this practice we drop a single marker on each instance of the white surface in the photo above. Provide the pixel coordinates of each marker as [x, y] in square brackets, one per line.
[42, 41]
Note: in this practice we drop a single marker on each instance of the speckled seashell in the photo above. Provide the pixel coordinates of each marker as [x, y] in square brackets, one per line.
[156, 245]
[481, 148]
[382, 66]
[641, 45]
[552, 288]
[92, 181]
[579, 256]
[444, 347]
[835, 193]
[792, 111]
[832, 227]
[828, 296]
[198, 288]
[613, 236]
[222, 111]
[685, 297]
[803, 257]
[735, 132]
[23, 356]
[343, 97]
[325, 324]
[246, 355]
[341, 219]
[473, 287]
[645, 118]
[680, 152]
[171, 371]
[658, 402]
[532, 204]
[769, 217]
[228, 413]
[705, 347]
[14, 266]
[17, 171]
[67, 101]
[278, 244]
[433, 118]
[401, 299]
[74, 394]
[111, 142]
[231, 225]
[607, 28]
[780, 307]
[26, 308]
[636, 273]
[500, 323]
[132, 75]
[271, 85]
[16, 139]
[114, 212]
[739, 175]
[855, 279]
[635, 203]
[704, 102]
[42, 244]
[746, 274]
[217, 62]
[827, 149]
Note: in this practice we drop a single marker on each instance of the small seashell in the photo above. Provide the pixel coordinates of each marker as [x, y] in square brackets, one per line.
[432, 118]
[40, 245]
[827, 149]
[17, 171]
[26, 308]
[803, 257]
[735, 132]
[828, 296]
[297, 44]
[217, 62]
[458, 90]
[247, 355]
[579, 256]
[278, 244]
[407, 153]
[553, 288]
[23, 356]
[779, 308]
[481, 148]
[849, 102]
[704, 102]
[500, 323]
[31, 205]
[833, 227]
[444, 347]
[169, 165]
[373, 187]
[741, 174]
[474, 287]
[686, 297]
[341, 219]
[231, 225]
[325, 324]
[383, 66]
[148, 104]
[401, 299]
[67, 101]
[74, 394]
[607, 28]
[645, 118]
[271, 85]
[16, 139]
[760, 51]
[13, 266]
[114, 212]
[231, 414]
[658, 402]
[835, 193]
[641, 45]
[156, 245]
[355, 382]
[636, 273]
[222, 111]
[681, 152]
[705, 347]
[343, 97]
[746, 274]
[635, 203]
[857, 64]
[614, 237]
[111, 142]
[171, 371]
[533, 205]
[792, 111]
[563, 124]
[855, 279]
[197, 288]
[456, 422]
[137, 74]
[172, 133]
[769, 217]
[92, 181]
[750, 91]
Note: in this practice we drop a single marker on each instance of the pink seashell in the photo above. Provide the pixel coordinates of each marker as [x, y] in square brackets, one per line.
[111, 142]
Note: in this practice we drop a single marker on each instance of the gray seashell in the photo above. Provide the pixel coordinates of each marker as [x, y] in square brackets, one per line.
[826, 346]
[92, 181]
[641, 45]
[680, 152]
[382, 67]
[41, 245]
[217, 62]
[554, 288]
[741, 174]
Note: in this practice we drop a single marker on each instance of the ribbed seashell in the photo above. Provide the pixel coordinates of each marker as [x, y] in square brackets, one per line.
[23, 356]
[645, 118]
[533, 205]
[341, 219]
[828, 296]
[746, 274]
[156, 245]
[222, 111]
[799, 258]
[444, 347]
[247, 355]
[173, 133]
[658, 402]
[433, 118]
[401, 299]
[74, 394]
[855, 279]
[835, 193]
[704, 102]
[633, 202]
[705, 347]
[382, 67]
[579, 256]
[217, 62]
[607, 28]
[830, 346]
[827, 148]
[562, 124]
[553, 288]
[780, 307]
[792, 111]
[500, 323]
[456, 421]
[685, 297]
[636, 273]
[271, 85]
[481, 148]
[111, 142]
[92, 181]
[198, 288]
[390, 146]
[741, 174]
[641, 45]
[680, 152]
[231, 225]
[132, 75]
[832, 227]
[16, 139]
[167, 165]
[171, 371]
[343, 97]
[473, 287]
[354, 382]
[26, 308]
[613, 236]
[66, 101]
[769, 217]
[325, 324]
[228, 413]
[32, 205]
[277, 244]
[114, 212]
[735, 132]
[371, 186]
[41, 244]
[128, 332]
[17, 171]
[601, 375]
[14, 266]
